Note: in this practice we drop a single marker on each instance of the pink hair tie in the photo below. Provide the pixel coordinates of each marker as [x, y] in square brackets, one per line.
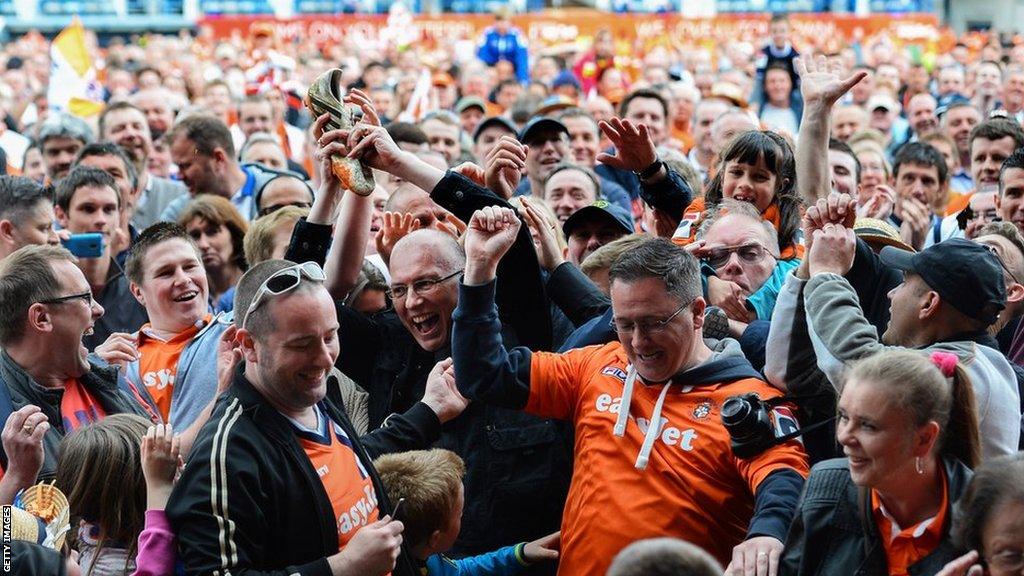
[946, 363]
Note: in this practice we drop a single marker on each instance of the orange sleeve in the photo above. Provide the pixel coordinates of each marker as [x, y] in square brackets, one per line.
[555, 380]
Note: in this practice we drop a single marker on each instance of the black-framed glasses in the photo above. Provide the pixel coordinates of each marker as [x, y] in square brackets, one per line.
[84, 297]
[284, 280]
[421, 287]
[752, 253]
[625, 327]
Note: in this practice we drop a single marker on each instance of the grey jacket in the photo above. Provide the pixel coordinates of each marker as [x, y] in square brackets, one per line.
[839, 334]
[158, 194]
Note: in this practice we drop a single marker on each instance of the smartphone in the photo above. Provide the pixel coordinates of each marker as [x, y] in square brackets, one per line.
[85, 245]
[396, 513]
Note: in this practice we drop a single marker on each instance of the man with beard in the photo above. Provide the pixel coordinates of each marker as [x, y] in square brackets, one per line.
[125, 125]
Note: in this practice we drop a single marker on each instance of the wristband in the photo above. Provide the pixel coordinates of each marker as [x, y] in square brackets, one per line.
[651, 170]
[520, 554]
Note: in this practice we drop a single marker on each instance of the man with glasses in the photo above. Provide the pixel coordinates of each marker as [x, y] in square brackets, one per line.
[46, 307]
[281, 426]
[743, 251]
[678, 476]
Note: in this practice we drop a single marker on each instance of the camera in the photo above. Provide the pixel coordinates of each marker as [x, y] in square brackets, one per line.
[755, 425]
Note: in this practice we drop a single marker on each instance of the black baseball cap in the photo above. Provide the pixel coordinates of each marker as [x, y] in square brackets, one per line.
[965, 274]
[538, 124]
[494, 121]
[600, 210]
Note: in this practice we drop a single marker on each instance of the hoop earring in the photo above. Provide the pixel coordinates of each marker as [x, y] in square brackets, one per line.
[917, 465]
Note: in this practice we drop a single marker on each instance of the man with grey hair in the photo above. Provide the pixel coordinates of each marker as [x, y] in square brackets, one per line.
[320, 507]
[60, 137]
[26, 214]
[743, 250]
[46, 307]
[612, 394]
[664, 557]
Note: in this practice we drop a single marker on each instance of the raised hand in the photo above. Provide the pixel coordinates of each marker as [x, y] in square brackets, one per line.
[832, 251]
[374, 147]
[441, 394]
[504, 166]
[634, 147]
[394, 227]
[362, 100]
[161, 460]
[835, 208]
[472, 171]
[549, 252]
[821, 82]
[328, 143]
[492, 231]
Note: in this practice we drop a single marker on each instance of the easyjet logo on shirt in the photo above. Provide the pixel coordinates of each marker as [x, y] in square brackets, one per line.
[159, 380]
[670, 435]
[359, 514]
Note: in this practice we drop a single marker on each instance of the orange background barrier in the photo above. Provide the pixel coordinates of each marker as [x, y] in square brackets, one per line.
[568, 26]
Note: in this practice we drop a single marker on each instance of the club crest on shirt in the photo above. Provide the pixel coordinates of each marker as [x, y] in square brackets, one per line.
[703, 410]
[616, 372]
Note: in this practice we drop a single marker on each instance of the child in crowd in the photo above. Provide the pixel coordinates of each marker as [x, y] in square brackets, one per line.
[430, 483]
[117, 475]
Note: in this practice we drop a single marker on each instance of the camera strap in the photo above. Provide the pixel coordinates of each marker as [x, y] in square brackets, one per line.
[802, 431]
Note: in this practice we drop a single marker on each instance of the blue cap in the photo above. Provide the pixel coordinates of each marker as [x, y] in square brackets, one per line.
[566, 78]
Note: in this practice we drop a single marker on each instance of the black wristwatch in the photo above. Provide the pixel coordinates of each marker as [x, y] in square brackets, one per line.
[651, 170]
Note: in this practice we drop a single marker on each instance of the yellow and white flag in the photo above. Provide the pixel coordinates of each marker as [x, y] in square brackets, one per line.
[73, 85]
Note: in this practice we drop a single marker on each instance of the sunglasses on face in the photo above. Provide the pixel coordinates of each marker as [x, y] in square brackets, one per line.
[750, 253]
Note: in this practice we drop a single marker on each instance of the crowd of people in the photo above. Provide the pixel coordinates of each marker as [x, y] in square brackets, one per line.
[672, 313]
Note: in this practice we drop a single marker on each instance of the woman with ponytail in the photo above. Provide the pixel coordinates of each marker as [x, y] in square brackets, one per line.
[908, 426]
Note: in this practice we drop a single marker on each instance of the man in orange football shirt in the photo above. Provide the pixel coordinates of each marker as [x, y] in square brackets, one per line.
[634, 480]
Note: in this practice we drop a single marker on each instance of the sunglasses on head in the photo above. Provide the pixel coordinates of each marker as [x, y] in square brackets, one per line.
[283, 281]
